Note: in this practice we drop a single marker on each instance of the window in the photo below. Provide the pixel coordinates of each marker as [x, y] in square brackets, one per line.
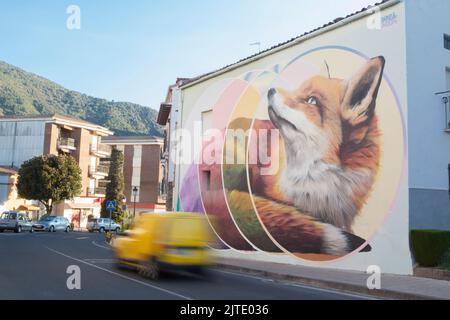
[207, 180]
[447, 41]
[447, 78]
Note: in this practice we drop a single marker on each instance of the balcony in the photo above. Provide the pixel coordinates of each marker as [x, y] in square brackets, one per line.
[103, 183]
[99, 171]
[101, 150]
[97, 192]
[445, 102]
[66, 144]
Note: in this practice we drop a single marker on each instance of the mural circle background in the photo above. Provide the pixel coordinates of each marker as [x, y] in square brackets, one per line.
[251, 104]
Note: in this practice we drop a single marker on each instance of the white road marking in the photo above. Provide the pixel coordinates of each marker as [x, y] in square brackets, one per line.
[82, 238]
[12, 234]
[105, 261]
[100, 246]
[301, 286]
[120, 275]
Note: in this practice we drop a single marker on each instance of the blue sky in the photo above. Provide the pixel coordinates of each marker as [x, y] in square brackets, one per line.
[131, 50]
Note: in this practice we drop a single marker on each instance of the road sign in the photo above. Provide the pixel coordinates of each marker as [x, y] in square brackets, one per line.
[111, 205]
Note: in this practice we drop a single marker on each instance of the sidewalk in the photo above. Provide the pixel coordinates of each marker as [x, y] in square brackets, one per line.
[392, 286]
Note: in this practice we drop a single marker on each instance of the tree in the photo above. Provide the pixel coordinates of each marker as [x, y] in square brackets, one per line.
[115, 187]
[49, 179]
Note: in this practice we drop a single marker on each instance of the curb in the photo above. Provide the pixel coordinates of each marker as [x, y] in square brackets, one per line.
[325, 284]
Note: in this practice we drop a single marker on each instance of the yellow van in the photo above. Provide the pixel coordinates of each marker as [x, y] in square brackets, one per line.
[160, 241]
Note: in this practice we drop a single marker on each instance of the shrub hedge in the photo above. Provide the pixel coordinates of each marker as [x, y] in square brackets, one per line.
[430, 247]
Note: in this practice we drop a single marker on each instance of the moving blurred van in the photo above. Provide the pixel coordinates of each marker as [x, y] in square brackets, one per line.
[163, 241]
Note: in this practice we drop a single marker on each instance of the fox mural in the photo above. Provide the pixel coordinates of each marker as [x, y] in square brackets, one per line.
[329, 158]
[332, 152]
[330, 135]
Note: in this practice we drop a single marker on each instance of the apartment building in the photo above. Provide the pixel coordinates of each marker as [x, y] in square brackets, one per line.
[9, 198]
[143, 172]
[22, 138]
[167, 117]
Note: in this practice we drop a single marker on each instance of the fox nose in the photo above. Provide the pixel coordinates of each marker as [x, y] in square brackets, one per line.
[271, 93]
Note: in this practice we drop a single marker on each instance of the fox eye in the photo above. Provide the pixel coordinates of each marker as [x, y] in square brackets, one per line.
[311, 100]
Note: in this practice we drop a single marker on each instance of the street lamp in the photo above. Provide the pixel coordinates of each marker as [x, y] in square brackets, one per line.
[135, 191]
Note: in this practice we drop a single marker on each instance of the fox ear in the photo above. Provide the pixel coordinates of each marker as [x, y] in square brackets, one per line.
[361, 93]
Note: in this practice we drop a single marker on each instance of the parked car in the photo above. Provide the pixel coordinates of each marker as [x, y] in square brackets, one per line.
[15, 221]
[103, 225]
[165, 242]
[52, 224]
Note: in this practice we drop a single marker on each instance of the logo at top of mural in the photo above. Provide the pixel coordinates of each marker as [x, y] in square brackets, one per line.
[333, 142]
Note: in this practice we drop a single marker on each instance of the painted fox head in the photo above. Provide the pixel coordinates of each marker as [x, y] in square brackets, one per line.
[329, 130]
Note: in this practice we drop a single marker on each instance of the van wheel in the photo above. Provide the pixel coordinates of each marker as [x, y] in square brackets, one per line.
[1, 230]
[200, 271]
[149, 269]
[67, 229]
[119, 265]
[101, 230]
[51, 229]
[18, 229]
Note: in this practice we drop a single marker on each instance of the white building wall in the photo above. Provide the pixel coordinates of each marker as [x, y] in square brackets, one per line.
[390, 241]
[136, 175]
[20, 141]
[429, 145]
[174, 121]
[175, 124]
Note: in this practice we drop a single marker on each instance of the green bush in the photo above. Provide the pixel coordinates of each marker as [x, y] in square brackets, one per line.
[445, 263]
[430, 246]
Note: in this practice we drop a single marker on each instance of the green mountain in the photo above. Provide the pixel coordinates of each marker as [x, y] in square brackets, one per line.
[24, 93]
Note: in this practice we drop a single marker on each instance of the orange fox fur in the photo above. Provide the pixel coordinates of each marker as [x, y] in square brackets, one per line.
[331, 146]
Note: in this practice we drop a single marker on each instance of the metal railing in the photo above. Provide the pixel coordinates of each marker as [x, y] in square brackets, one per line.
[97, 191]
[66, 142]
[102, 148]
[99, 169]
[103, 183]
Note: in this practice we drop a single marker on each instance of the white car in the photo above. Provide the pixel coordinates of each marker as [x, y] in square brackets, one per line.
[103, 225]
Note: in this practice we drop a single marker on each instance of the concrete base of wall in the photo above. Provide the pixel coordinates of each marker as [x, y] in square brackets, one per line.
[429, 209]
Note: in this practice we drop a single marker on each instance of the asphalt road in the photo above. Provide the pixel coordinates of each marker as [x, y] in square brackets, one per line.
[33, 266]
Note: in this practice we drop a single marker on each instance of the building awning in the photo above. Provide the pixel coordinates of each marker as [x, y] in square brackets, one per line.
[164, 112]
[28, 207]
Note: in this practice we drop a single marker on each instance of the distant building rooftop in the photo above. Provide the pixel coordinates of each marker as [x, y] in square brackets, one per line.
[61, 119]
[132, 140]
[166, 107]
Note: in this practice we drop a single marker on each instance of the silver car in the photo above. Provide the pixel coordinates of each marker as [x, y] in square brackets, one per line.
[103, 225]
[52, 224]
[15, 221]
